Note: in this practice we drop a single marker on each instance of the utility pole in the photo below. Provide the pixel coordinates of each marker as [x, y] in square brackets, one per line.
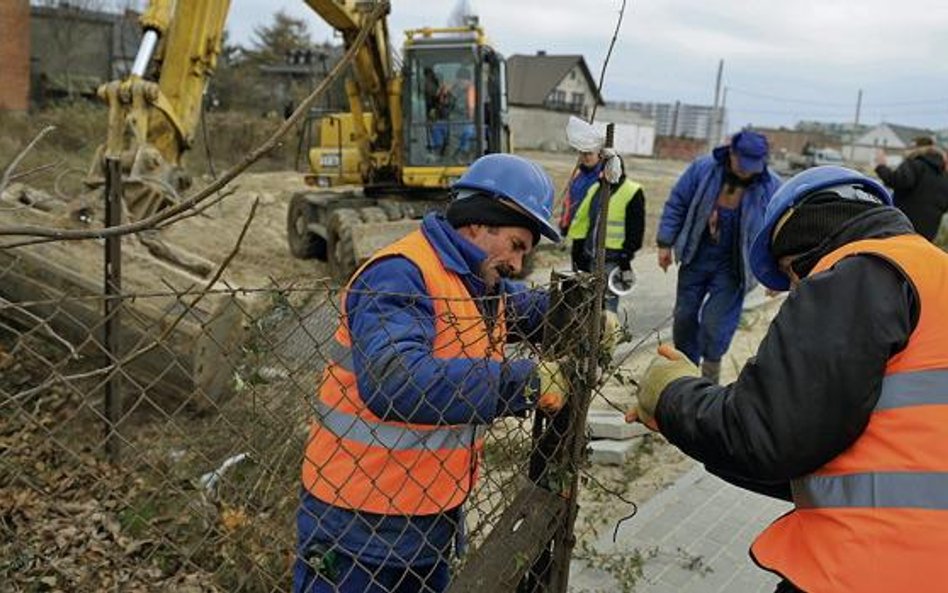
[713, 131]
[852, 138]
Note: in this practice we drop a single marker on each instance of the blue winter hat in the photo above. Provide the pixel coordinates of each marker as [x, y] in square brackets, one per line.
[751, 149]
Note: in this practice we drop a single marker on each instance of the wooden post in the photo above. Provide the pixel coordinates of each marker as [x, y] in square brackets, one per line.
[565, 539]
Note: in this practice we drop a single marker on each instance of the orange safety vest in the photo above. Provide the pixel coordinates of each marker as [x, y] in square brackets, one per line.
[875, 518]
[358, 461]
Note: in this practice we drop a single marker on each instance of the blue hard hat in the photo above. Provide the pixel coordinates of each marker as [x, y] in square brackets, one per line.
[839, 180]
[514, 178]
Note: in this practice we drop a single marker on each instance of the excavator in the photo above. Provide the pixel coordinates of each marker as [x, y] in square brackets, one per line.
[409, 133]
[411, 129]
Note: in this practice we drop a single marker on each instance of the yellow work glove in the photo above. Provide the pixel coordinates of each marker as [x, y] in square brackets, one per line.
[669, 365]
[554, 387]
[610, 334]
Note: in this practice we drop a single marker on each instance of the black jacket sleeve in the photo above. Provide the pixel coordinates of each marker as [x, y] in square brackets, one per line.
[808, 393]
[902, 178]
[634, 225]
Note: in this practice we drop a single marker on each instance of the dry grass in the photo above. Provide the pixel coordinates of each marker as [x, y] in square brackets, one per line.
[81, 127]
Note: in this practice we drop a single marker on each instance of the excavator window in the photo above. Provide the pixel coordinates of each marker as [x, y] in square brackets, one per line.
[443, 106]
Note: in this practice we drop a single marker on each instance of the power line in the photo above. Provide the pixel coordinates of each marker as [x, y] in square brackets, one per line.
[867, 104]
[785, 99]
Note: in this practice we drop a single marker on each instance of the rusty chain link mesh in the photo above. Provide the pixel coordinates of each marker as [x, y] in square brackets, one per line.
[221, 392]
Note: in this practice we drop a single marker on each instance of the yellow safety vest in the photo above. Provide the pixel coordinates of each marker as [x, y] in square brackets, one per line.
[615, 218]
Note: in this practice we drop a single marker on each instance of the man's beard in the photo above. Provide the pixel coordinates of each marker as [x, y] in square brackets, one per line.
[491, 274]
[504, 271]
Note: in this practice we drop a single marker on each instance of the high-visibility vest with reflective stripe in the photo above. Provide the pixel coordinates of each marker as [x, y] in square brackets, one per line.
[358, 461]
[615, 218]
[875, 518]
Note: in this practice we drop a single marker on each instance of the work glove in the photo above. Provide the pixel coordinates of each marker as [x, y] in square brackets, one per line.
[554, 386]
[669, 365]
[611, 330]
[612, 166]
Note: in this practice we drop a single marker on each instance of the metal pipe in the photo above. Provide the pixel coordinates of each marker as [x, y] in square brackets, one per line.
[145, 51]
[113, 307]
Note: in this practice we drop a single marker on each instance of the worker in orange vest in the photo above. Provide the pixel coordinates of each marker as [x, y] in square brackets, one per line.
[844, 410]
[416, 373]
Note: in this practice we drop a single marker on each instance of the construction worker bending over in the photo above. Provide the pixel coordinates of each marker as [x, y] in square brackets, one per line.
[844, 410]
[417, 374]
[625, 224]
[710, 219]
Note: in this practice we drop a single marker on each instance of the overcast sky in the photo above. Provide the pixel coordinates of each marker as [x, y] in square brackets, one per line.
[783, 60]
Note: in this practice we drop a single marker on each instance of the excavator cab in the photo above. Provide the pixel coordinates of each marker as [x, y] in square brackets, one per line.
[454, 99]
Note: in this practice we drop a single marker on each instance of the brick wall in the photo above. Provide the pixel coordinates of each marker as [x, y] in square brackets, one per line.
[14, 54]
[682, 149]
[793, 141]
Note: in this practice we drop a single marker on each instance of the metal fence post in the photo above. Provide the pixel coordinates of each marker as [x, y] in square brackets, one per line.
[112, 308]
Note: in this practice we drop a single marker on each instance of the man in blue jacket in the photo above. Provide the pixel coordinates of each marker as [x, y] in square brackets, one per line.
[710, 220]
[416, 375]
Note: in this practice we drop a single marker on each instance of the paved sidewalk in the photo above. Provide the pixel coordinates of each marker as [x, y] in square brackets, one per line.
[693, 537]
[650, 305]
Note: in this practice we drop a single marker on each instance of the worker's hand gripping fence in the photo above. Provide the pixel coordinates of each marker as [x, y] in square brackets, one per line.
[405, 447]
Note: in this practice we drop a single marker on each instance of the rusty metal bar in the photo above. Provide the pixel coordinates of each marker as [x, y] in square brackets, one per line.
[112, 308]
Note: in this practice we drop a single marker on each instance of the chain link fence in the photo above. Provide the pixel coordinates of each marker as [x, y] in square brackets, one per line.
[182, 458]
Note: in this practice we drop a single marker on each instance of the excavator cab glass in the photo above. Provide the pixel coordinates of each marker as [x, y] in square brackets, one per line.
[452, 91]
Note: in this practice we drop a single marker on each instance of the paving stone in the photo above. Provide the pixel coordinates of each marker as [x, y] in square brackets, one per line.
[609, 452]
[610, 424]
[701, 517]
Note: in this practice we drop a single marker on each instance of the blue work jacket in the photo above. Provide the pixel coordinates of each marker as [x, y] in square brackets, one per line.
[692, 199]
[418, 388]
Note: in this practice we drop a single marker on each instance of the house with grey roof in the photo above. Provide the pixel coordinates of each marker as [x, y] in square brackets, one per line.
[556, 83]
[543, 90]
[892, 138]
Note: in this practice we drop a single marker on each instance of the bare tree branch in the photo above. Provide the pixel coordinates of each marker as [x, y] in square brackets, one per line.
[199, 211]
[5, 180]
[602, 77]
[35, 170]
[42, 322]
[605, 62]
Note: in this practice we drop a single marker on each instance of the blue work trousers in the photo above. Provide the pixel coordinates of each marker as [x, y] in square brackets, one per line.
[344, 574]
[707, 310]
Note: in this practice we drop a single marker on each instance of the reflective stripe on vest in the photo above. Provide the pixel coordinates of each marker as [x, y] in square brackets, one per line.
[615, 219]
[926, 490]
[912, 490]
[359, 461]
[393, 436]
[341, 356]
[916, 388]
[875, 518]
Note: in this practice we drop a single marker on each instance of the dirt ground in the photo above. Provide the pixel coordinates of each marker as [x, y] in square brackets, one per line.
[264, 254]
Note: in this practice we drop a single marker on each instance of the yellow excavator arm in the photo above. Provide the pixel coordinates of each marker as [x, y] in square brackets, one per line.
[375, 86]
[152, 123]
